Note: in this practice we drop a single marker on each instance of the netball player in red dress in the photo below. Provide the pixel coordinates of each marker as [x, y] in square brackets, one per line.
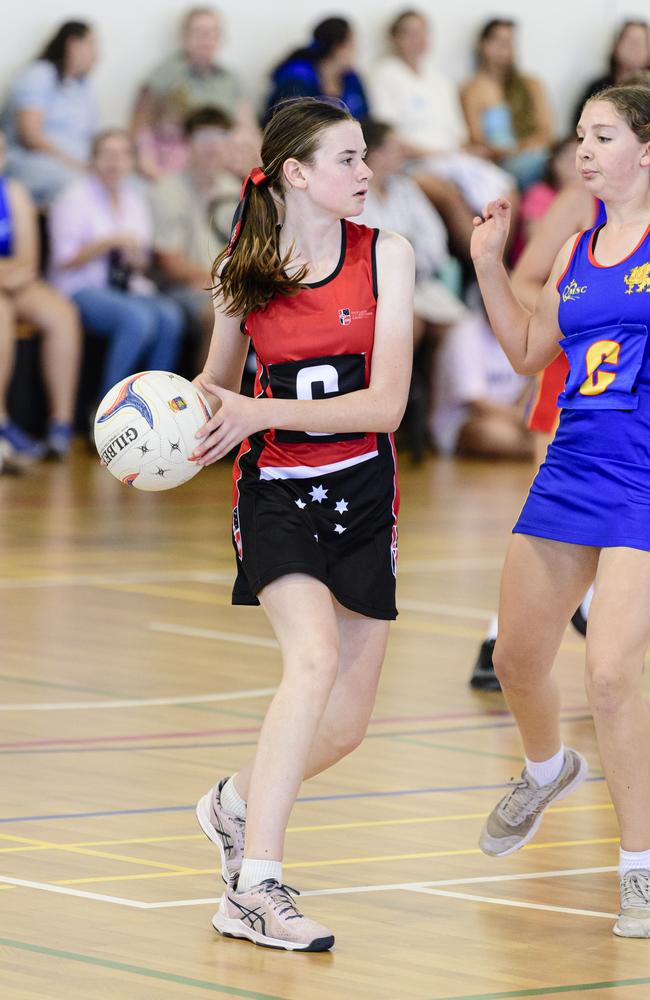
[327, 306]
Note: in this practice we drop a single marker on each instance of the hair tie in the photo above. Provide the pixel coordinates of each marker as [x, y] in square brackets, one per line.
[256, 177]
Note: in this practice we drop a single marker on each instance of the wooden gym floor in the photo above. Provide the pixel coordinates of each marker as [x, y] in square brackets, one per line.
[128, 684]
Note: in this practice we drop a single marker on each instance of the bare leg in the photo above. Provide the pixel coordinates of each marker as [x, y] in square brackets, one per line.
[618, 636]
[456, 213]
[302, 614]
[495, 437]
[542, 584]
[362, 643]
[59, 322]
[7, 351]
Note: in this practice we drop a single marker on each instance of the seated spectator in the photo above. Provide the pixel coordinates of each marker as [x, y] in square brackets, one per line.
[101, 237]
[187, 80]
[630, 55]
[560, 172]
[323, 69]
[24, 298]
[193, 213]
[51, 114]
[507, 112]
[424, 108]
[479, 401]
[395, 202]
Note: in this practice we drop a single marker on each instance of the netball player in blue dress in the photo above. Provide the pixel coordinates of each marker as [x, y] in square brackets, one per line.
[587, 516]
[327, 305]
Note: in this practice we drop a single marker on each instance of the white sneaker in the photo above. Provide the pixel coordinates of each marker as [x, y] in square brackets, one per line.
[267, 915]
[224, 829]
[634, 918]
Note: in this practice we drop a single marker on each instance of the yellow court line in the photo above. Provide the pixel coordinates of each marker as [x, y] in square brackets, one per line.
[345, 861]
[44, 846]
[176, 593]
[210, 597]
[415, 820]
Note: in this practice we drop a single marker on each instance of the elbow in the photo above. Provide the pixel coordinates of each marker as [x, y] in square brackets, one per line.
[393, 419]
[524, 367]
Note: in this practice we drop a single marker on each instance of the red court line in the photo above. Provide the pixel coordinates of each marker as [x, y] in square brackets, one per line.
[136, 737]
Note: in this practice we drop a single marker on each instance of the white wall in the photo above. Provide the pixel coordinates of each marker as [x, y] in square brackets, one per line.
[562, 41]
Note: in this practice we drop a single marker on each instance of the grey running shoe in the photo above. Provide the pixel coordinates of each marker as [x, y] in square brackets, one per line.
[514, 820]
[267, 915]
[634, 918]
[224, 829]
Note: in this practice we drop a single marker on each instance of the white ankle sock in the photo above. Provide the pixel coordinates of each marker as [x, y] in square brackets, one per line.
[546, 771]
[493, 628]
[632, 860]
[232, 801]
[253, 872]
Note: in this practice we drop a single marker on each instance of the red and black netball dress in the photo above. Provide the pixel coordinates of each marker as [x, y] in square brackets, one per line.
[321, 504]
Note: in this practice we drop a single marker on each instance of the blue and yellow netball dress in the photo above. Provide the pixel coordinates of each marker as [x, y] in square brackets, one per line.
[594, 487]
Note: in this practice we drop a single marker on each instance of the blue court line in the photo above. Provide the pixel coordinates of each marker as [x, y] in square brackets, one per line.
[444, 789]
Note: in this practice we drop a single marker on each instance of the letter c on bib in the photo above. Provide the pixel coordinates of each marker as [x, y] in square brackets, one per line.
[307, 377]
[596, 381]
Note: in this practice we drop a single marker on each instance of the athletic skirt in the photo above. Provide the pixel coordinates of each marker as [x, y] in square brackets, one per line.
[340, 528]
[594, 487]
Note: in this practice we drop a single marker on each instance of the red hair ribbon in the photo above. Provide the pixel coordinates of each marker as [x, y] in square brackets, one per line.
[256, 177]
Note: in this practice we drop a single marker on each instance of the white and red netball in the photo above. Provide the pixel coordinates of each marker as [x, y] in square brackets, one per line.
[145, 430]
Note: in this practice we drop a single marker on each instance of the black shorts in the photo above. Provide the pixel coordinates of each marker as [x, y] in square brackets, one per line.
[340, 528]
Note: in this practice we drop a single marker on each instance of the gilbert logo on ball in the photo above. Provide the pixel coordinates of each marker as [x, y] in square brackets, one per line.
[145, 430]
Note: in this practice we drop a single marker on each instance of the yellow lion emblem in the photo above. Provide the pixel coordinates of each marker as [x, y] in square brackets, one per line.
[638, 279]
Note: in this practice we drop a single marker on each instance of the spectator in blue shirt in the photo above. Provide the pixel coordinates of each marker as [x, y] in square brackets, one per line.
[322, 69]
[51, 114]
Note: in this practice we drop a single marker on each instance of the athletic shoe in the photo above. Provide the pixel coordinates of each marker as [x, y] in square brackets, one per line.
[224, 829]
[59, 439]
[267, 915]
[514, 820]
[483, 675]
[23, 447]
[8, 465]
[634, 918]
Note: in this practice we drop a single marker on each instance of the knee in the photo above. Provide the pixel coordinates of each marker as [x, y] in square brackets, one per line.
[316, 670]
[510, 666]
[139, 323]
[608, 685]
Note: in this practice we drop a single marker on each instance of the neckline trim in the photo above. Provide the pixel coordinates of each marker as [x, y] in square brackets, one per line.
[605, 267]
[341, 260]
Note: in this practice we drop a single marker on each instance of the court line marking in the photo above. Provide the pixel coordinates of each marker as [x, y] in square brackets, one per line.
[331, 862]
[93, 853]
[41, 845]
[511, 902]
[137, 970]
[344, 890]
[545, 991]
[55, 706]
[209, 633]
[336, 797]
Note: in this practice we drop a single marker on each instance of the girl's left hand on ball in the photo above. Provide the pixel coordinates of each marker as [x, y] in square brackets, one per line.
[236, 418]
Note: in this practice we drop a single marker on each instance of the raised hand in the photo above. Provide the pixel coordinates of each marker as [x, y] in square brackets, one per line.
[491, 232]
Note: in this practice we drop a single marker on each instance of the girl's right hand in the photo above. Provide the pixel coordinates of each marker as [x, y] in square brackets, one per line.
[491, 232]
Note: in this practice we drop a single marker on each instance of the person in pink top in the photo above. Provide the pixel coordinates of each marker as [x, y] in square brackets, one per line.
[101, 237]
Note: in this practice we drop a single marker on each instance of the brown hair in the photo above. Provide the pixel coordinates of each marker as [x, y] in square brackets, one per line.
[613, 58]
[515, 87]
[200, 11]
[253, 270]
[632, 103]
[111, 133]
[396, 24]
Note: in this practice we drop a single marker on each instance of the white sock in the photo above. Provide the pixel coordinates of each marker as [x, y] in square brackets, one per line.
[633, 860]
[231, 800]
[253, 872]
[493, 628]
[546, 771]
[586, 602]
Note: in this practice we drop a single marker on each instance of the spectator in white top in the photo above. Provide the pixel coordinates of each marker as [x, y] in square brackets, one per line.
[51, 114]
[395, 202]
[423, 105]
[479, 401]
